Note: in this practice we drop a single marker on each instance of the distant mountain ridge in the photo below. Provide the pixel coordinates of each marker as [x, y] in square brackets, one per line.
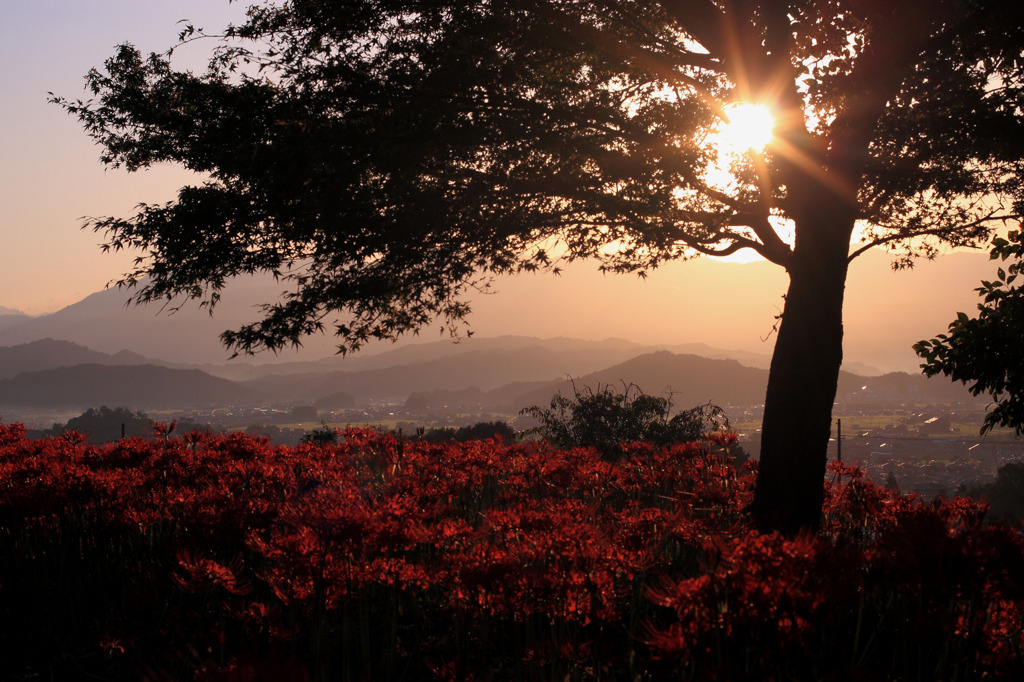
[10, 317]
[105, 321]
[429, 351]
[486, 369]
[51, 354]
[885, 315]
[501, 374]
[690, 379]
[693, 380]
[134, 386]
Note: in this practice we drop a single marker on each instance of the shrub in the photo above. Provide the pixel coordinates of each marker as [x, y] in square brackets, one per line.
[607, 418]
[321, 435]
[480, 431]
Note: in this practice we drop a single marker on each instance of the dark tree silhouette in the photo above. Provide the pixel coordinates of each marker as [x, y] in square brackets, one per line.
[986, 350]
[385, 158]
[104, 425]
[606, 418]
[463, 434]
[1005, 495]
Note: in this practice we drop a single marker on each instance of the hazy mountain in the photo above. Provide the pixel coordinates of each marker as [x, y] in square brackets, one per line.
[760, 360]
[134, 386]
[105, 322]
[9, 317]
[425, 352]
[900, 387]
[693, 380]
[597, 352]
[50, 354]
[485, 368]
[680, 307]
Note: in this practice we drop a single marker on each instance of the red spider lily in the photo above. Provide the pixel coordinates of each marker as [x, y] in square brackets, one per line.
[12, 435]
[200, 574]
[500, 560]
[722, 439]
[111, 645]
[765, 599]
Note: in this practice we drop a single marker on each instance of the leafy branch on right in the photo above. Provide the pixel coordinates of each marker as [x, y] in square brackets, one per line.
[986, 349]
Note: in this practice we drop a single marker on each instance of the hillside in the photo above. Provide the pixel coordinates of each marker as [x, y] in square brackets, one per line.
[483, 369]
[133, 386]
[105, 322]
[498, 376]
[9, 317]
[51, 354]
[601, 352]
[693, 380]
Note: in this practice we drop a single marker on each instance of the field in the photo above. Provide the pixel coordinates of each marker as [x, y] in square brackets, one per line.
[218, 557]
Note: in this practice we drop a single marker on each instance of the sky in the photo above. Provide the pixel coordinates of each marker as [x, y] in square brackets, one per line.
[50, 175]
[51, 178]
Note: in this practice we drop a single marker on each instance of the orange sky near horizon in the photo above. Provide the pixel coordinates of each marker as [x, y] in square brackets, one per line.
[50, 178]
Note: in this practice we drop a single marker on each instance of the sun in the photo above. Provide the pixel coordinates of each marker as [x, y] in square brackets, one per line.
[748, 127]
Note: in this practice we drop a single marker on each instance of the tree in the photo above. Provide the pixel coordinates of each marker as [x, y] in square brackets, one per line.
[385, 158]
[486, 431]
[478, 431]
[104, 425]
[606, 418]
[321, 436]
[1005, 495]
[986, 349]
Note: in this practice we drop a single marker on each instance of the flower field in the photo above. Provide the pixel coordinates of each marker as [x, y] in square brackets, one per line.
[211, 557]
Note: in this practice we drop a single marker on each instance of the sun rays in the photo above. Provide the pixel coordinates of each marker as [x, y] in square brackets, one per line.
[748, 127]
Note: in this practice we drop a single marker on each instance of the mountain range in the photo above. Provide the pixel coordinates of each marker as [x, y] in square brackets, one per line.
[503, 374]
[134, 386]
[722, 304]
[48, 354]
[105, 321]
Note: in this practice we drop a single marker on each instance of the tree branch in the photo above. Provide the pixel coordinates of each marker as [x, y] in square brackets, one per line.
[937, 231]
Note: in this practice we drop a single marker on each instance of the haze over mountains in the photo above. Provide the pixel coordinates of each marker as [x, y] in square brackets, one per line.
[501, 375]
[137, 386]
[47, 354]
[101, 351]
[679, 307]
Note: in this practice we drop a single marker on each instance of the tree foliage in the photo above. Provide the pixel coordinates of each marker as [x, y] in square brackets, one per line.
[494, 430]
[986, 350]
[385, 158]
[104, 424]
[1004, 496]
[321, 436]
[606, 419]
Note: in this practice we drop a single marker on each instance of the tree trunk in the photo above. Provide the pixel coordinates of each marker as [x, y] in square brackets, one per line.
[803, 378]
